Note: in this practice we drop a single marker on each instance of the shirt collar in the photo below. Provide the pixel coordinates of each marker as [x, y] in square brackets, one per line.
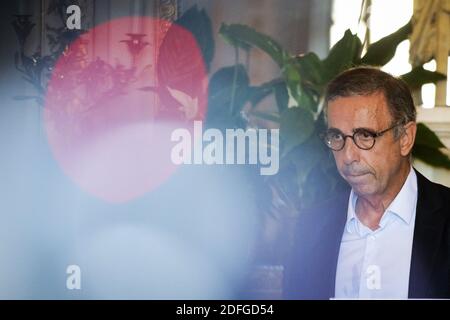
[351, 223]
[403, 205]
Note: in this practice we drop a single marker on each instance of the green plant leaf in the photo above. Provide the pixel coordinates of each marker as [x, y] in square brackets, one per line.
[311, 68]
[198, 22]
[307, 155]
[281, 96]
[427, 138]
[277, 87]
[275, 117]
[427, 148]
[228, 93]
[307, 101]
[293, 81]
[296, 126]
[419, 76]
[344, 54]
[244, 37]
[431, 156]
[258, 93]
[229, 37]
[381, 52]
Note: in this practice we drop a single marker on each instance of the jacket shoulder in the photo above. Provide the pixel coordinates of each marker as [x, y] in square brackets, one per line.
[432, 191]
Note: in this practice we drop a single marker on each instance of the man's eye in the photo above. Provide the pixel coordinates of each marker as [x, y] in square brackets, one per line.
[336, 136]
[365, 135]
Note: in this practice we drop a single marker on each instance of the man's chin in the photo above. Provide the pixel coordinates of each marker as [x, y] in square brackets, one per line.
[363, 189]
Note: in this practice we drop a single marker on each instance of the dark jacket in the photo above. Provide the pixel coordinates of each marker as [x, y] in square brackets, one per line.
[311, 271]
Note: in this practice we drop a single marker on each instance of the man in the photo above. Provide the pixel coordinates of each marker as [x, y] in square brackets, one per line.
[389, 236]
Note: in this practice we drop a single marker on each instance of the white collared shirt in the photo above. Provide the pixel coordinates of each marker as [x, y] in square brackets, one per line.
[376, 264]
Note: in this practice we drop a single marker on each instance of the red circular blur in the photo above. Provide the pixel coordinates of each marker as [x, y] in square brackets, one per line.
[113, 100]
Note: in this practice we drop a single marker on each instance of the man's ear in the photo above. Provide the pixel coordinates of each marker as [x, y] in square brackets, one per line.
[407, 138]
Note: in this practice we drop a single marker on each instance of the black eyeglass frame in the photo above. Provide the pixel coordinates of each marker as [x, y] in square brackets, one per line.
[374, 135]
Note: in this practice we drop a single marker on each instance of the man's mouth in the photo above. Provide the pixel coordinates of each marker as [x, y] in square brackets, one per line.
[356, 174]
[354, 177]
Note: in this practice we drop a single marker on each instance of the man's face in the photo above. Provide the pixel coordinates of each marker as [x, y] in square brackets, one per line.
[369, 172]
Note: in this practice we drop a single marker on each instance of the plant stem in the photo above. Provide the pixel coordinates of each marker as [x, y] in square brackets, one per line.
[233, 86]
[247, 61]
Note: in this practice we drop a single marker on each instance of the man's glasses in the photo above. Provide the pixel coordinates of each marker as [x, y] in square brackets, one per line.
[363, 138]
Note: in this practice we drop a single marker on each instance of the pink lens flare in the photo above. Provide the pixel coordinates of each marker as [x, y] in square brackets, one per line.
[113, 100]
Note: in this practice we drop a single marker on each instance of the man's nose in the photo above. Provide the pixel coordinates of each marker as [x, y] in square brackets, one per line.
[350, 152]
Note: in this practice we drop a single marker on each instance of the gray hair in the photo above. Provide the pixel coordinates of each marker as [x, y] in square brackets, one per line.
[362, 81]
